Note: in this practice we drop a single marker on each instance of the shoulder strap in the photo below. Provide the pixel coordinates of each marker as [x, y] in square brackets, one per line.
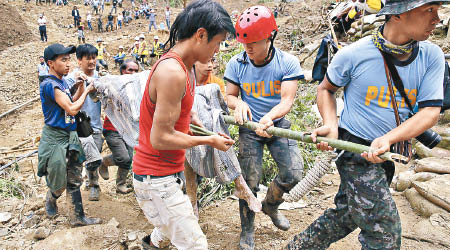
[396, 78]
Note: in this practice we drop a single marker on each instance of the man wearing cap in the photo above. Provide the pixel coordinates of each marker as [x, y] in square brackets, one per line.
[364, 200]
[266, 78]
[157, 48]
[143, 49]
[118, 59]
[60, 151]
[134, 51]
[101, 52]
[42, 22]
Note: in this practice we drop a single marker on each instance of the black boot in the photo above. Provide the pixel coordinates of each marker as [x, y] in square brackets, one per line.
[270, 207]
[94, 188]
[50, 204]
[247, 238]
[77, 216]
[121, 181]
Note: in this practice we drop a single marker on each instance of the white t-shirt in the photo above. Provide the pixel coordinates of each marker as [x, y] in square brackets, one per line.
[42, 21]
[167, 14]
[89, 17]
[120, 17]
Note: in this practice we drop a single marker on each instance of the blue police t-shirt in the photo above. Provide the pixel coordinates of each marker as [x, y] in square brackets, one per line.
[359, 68]
[261, 85]
[54, 115]
[92, 109]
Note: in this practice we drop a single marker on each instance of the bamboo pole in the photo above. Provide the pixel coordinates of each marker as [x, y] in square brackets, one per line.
[17, 160]
[18, 107]
[18, 150]
[306, 137]
[333, 34]
[362, 18]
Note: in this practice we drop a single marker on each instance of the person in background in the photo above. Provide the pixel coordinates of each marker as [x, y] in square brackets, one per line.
[110, 22]
[152, 20]
[118, 59]
[89, 20]
[42, 22]
[76, 16]
[167, 14]
[42, 69]
[101, 54]
[100, 24]
[80, 32]
[204, 75]
[119, 20]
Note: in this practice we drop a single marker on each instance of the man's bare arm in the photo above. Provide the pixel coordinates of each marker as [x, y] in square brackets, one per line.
[288, 92]
[168, 85]
[72, 108]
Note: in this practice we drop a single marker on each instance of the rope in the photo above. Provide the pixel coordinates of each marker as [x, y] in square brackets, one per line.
[311, 180]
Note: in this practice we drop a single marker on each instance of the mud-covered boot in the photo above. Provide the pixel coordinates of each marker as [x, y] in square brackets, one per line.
[103, 169]
[147, 244]
[76, 212]
[50, 204]
[247, 237]
[270, 207]
[121, 181]
[94, 189]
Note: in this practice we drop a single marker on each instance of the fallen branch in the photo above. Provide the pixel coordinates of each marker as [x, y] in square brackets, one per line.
[420, 238]
[310, 54]
[20, 106]
[306, 137]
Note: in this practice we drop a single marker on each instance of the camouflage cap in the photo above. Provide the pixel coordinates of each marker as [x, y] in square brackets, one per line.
[396, 7]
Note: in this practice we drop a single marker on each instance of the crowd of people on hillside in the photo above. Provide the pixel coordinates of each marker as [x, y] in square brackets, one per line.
[94, 17]
[261, 86]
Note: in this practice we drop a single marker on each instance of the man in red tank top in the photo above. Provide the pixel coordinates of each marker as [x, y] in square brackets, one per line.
[164, 122]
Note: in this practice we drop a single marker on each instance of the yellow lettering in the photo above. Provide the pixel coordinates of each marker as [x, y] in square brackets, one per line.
[372, 92]
[412, 95]
[384, 103]
[256, 89]
[277, 87]
[271, 88]
[263, 88]
[247, 88]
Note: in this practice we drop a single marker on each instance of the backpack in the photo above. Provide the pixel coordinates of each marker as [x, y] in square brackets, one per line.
[446, 99]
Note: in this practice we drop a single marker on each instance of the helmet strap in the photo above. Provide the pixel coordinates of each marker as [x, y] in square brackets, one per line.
[271, 48]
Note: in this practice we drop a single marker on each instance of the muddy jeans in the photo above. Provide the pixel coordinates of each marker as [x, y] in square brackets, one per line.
[74, 178]
[284, 151]
[170, 211]
[363, 201]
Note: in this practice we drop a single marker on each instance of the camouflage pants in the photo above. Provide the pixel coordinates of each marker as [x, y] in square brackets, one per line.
[284, 151]
[363, 201]
[74, 169]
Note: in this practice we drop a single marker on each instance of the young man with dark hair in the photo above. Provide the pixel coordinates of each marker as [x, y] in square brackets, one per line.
[121, 153]
[266, 78]
[165, 115]
[86, 58]
[60, 152]
[363, 199]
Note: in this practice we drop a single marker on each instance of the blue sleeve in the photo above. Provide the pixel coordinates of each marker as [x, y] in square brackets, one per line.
[339, 70]
[49, 90]
[431, 91]
[231, 72]
[292, 69]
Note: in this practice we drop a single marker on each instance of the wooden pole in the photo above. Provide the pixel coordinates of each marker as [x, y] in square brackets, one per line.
[306, 137]
[20, 106]
[362, 18]
[333, 34]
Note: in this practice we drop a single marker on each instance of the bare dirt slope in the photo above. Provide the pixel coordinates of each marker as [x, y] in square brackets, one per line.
[219, 221]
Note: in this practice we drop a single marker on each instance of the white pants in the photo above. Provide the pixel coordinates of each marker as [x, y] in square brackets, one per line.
[170, 211]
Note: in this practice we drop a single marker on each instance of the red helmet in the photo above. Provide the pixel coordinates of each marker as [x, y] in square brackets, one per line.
[255, 24]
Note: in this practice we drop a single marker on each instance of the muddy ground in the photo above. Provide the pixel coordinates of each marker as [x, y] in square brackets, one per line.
[219, 221]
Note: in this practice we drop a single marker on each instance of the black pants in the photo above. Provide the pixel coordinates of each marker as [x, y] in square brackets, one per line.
[43, 33]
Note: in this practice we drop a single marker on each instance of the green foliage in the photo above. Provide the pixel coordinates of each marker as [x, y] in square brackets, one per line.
[224, 56]
[264, 1]
[9, 187]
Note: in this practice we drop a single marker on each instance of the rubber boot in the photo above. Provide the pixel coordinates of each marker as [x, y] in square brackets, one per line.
[103, 169]
[77, 217]
[50, 204]
[94, 189]
[247, 238]
[121, 181]
[270, 207]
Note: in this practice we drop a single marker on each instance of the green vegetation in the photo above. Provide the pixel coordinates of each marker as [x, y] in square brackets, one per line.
[9, 187]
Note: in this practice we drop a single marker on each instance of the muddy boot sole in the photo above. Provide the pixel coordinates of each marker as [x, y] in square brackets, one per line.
[278, 219]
